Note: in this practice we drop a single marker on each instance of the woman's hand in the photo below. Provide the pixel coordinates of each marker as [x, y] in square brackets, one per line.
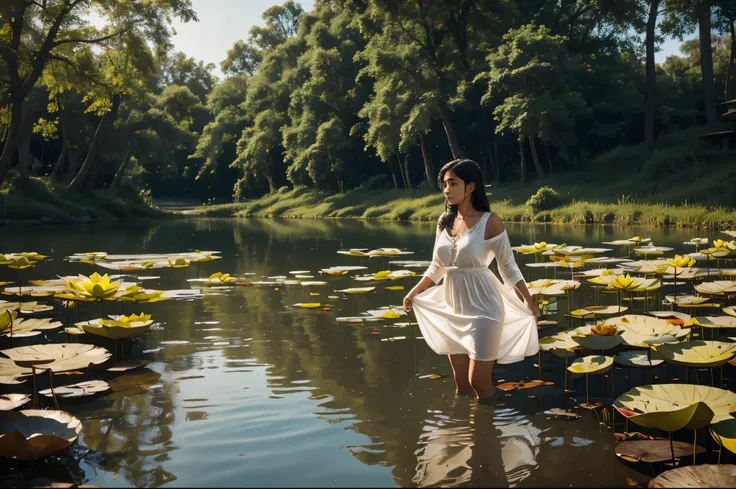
[534, 309]
[408, 300]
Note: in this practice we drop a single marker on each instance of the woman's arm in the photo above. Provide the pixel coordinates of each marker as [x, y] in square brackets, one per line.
[434, 273]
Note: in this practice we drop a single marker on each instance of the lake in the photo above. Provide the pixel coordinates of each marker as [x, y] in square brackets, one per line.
[243, 389]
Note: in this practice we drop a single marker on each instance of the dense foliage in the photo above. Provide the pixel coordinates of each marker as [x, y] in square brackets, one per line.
[353, 89]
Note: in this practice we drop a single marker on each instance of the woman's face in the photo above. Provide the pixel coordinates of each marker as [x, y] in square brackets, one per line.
[455, 189]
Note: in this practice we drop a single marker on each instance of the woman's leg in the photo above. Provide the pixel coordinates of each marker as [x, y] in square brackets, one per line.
[460, 364]
[479, 375]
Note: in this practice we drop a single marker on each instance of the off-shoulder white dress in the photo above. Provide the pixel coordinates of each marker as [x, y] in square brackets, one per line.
[472, 312]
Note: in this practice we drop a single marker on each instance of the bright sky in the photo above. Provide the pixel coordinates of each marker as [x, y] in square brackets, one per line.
[222, 22]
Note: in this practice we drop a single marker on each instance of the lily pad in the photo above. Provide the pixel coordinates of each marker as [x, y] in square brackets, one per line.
[592, 364]
[652, 451]
[357, 290]
[33, 433]
[637, 359]
[642, 331]
[674, 398]
[82, 389]
[66, 356]
[698, 353]
[31, 327]
[717, 287]
[706, 475]
[715, 322]
[9, 402]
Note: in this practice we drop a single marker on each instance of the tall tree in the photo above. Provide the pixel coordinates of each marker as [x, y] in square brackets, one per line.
[36, 31]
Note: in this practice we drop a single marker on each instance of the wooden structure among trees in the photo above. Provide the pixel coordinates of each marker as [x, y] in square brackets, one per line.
[726, 138]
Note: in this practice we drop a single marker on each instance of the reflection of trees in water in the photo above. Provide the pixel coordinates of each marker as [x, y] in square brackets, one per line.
[129, 430]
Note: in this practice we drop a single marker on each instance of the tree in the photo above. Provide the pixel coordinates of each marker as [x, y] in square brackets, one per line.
[35, 33]
[535, 75]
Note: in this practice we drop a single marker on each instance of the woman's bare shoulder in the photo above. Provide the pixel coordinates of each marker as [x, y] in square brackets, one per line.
[494, 226]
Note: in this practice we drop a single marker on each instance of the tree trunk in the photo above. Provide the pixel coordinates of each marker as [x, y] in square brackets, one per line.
[121, 170]
[393, 173]
[60, 161]
[549, 159]
[401, 170]
[730, 71]
[455, 148]
[13, 139]
[405, 164]
[91, 161]
[649, 102]
[428, 171]
[487, 131]
[535, 157]
[73, 156]
[522, 160]
[706, 65]
[24, 147]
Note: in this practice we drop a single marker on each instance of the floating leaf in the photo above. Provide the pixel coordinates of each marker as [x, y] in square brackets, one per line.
[652, 451]
[9, 402]
[706, 475]
[698, 353]
[82, 389]
[32, 433]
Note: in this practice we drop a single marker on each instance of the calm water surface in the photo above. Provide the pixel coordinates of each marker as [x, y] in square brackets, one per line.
[264, 394]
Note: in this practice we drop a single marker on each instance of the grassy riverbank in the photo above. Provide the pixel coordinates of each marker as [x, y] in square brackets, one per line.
[36, 200]
[679, 183]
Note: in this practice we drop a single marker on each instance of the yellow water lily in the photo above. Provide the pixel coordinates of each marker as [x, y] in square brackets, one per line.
[382, 274]
[220, 278]
[94, 287]
[625, 282]
[178, 263]
[604, 329]
[132, 321]
[533, 248]
[20, 263]
[139, 295]
[681, 261]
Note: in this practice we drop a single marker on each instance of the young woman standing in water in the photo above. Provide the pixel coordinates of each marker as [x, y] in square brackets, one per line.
[472, 317]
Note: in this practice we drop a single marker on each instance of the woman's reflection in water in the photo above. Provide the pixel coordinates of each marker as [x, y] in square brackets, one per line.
[476, 444]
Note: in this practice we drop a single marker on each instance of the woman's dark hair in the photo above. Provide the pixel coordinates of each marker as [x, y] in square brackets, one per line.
[468, 171]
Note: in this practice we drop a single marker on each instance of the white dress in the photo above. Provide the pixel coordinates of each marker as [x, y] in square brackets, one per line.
[472, 312]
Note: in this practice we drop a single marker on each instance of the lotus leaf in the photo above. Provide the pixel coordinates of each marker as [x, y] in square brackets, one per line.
[670, 314]
[117, 329]
[637, 359]
[387, 252]
[313, 282]
[577, 250]
[592, 364]
[560, 344]
[698, 353]
[32, 433]
[636, 240]
[715, 321]
[340, 270]
[8, 402]
[705, 475]
[357, 290]
[597, 342]
[724, 433]
[7, 317]
[31, 327]
[652, 250]
[67, 356]
[673, 417]
[643, 331]
[668, 397]
[718, 287]
[82, 389]
[592, 311]
[552, 287]
[731, 311]
[126, 365]
[686, 299]
[308, 305]
[652, 451]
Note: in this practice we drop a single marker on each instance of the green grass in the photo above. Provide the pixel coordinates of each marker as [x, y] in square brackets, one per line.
[38, 199]
[680, 182]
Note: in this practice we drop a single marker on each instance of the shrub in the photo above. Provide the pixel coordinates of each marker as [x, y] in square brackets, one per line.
[545, 199]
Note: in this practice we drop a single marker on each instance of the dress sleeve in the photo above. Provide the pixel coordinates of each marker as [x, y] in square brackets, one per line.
[436, 269]
[507, 266]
